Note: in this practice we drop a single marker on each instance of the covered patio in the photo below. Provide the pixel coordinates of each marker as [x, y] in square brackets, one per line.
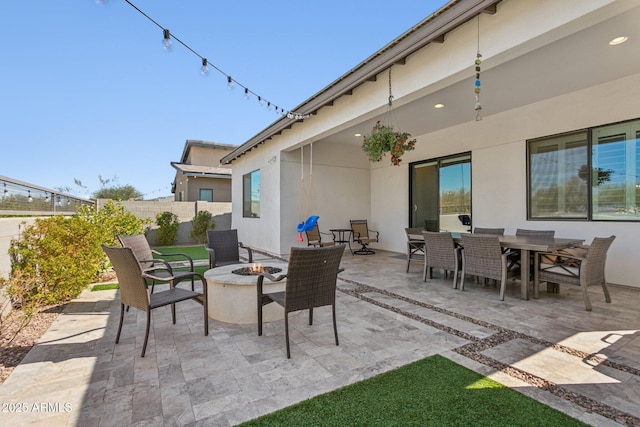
[585, 364]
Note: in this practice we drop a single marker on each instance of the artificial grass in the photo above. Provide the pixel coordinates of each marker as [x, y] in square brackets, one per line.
[433, 391]
[195, 252]
[104, 287]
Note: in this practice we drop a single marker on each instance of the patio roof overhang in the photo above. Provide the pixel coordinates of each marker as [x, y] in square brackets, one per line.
[432, 29]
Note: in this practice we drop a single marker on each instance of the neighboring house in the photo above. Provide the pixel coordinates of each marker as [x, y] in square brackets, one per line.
[558, 146]
[196, 178]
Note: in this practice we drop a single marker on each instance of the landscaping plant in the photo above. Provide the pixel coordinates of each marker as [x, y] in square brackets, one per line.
[200, 224]
[167, 232]
[55, 258]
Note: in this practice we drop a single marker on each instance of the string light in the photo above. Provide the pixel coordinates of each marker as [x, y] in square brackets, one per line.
[205, 69]
[29, 198]
[167, 45]
[166, 40]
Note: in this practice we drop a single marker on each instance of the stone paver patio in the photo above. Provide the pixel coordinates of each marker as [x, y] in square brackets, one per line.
[586, 364]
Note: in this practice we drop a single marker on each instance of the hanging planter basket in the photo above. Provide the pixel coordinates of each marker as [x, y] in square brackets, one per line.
[383, 139]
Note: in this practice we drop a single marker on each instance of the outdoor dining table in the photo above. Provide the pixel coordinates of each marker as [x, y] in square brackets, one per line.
[526, 245]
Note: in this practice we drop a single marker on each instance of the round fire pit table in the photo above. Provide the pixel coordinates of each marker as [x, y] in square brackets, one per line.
[233, 297]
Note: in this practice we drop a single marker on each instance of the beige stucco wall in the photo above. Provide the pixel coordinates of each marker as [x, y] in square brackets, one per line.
[498, 144]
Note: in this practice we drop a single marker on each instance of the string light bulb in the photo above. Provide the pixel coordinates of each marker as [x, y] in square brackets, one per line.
[229, 82]
[29, 198]
[166, 40]
[246, 93]
[205, 67]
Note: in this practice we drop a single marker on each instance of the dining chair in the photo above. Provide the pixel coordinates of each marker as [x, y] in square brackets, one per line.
[440, 252]
[224, 248]
[574, 270]
[145, 256]
[496, 231]
[532, 233]
[311, 276]
[415, 243]
[483, 257]
[535, 233]
[134, 293]
[314, 237]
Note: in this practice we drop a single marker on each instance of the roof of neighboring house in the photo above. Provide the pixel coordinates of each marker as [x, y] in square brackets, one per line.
[202, 171]
[430, 30]
[197, 143]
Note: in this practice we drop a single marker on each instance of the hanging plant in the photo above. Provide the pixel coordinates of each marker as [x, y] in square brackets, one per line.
[383, 139]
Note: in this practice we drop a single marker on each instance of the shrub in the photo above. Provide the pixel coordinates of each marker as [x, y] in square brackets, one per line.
[167, 228]
[56, 258]
[200, 224]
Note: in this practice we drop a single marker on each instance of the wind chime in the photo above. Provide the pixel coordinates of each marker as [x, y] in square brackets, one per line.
[478, 84]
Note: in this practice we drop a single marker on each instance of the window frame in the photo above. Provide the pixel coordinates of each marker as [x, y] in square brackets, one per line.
[589, 132]
[200, 198]
[248, 190]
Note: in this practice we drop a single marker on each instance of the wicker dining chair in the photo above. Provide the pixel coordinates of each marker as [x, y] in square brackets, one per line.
[577, 271]
[492, 231]
[440, 252]
[134, 292]
[145, 256]
[483, 257]
[311, 276]
[224, 248]
[415, 245]
[532, 233]
[314, 237]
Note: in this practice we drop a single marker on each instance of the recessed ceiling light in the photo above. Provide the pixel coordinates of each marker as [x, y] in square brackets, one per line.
[357, 134]
[618, 40]
[438, 106]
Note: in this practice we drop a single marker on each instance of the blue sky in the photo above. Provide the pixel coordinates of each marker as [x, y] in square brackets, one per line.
[88, 91]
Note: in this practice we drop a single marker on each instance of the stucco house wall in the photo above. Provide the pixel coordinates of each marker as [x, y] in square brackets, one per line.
[347, 186]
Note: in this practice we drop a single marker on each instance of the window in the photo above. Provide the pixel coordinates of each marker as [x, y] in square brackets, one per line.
[251, 195]
[440, 193]
[206, 195]
[588, 175]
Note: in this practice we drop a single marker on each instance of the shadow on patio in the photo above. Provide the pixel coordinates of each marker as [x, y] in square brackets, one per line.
[583, 363]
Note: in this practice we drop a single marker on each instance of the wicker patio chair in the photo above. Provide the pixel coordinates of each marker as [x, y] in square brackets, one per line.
[415, 245]
[311, 282]
[440, 252]
[532, 233]
[483, 257]
[361, 234]
[577, 271]
[224, 248]
[134, 292]
[144, 254]
[314, 237]
[493, 231]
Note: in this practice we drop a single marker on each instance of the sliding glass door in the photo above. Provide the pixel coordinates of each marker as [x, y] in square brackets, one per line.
[440, 193]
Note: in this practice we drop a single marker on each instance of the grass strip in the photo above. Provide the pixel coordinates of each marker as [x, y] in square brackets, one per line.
[195, 252]
[104, 287]
[431, 392]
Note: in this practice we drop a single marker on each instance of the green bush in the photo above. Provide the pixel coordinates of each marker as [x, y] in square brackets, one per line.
[200, 224]
[167, 228]
[55, 258]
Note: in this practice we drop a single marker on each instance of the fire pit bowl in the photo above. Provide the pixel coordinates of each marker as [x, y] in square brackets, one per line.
[256, 271]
